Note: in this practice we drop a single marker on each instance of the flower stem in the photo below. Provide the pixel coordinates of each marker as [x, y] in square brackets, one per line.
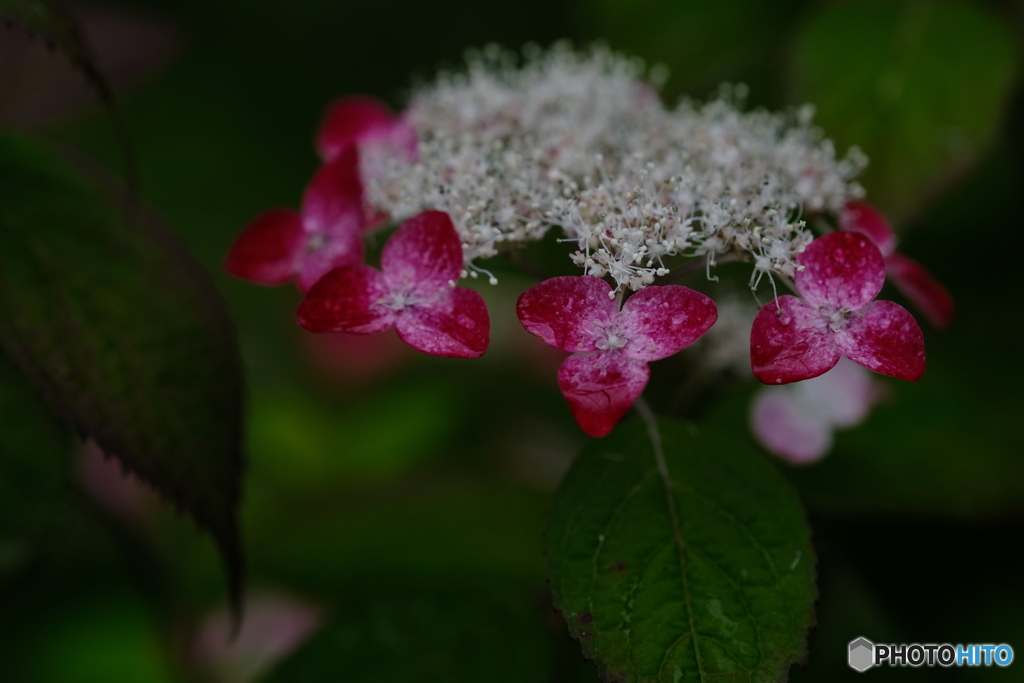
[647, 415]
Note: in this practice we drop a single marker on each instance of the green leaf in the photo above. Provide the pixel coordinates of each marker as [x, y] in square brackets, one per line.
[920, 86]
[702, 572]
[124, 333]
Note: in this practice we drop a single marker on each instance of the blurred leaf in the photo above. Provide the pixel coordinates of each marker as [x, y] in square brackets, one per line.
[42, 88]
[927, 451]
[920, 86]
[456, 636]
[715, 582]
[469, 531]
[302, 443]
[125, 335]
[702, 43]
[34, 450]
[108, 638]
[41, 17]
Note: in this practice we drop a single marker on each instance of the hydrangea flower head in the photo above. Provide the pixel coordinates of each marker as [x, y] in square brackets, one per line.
[283, 244]
[796, 421]
[414, 291]
[909, 276]
[580, 142]
[841, 273]
[608, 370]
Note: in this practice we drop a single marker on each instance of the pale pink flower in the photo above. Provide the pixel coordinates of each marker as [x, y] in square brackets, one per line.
[796, 421]
[273, 627]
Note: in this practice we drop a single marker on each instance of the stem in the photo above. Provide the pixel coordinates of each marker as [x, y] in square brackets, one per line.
[691, 268]
[647, 415]
[517, 257]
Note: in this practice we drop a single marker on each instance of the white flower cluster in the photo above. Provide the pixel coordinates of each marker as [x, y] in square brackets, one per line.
[582, 142]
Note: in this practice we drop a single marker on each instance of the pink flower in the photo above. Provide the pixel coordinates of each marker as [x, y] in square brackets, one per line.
[909, 276]
[414, 291]
[608, 368]
[793, 339]
[796, 421]
[283, 244]
[353, 121]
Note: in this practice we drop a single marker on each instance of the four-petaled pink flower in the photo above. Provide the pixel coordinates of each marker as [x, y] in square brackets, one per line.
[284, 244]
[414, 291]
[796, 421]
[909, 276]
[794, 339]
[608, 369]
[353, 121]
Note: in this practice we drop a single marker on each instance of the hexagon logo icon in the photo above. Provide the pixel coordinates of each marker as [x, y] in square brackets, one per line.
[862, 654]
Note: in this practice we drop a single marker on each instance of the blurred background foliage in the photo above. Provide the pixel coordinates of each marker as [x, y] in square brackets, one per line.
[396, 501]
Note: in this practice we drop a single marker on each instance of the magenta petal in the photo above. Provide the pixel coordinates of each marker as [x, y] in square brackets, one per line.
[841, 269]
[456, 326]
[332, 220]
[568, 312]
[333, 196]
[660, 321]
[424, 254]
[791, 341]
[866, 219]
[349, 120]
[911, 278]
[600, 387]
[885, 338]
[266, 249]
[347, 300]
[781, 421]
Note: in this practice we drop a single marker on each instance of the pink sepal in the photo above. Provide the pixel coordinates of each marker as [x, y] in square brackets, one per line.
[347, 300]
[425, 253]
[923, 290]
[661, 321]
[568, 312]
[782, 423]
[600, 387]
[885, 338]
[796, 421]
[841, 269]
[790, 341]
[332, 221]
[265, 250]
[861, 217]
[350, 120]
[457, 326]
